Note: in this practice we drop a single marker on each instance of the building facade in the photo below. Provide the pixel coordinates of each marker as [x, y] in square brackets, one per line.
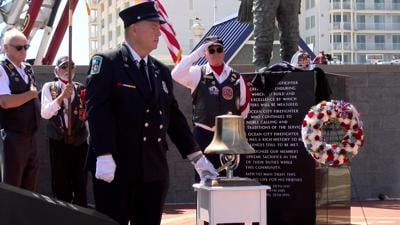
[106, 30]
[353, 31]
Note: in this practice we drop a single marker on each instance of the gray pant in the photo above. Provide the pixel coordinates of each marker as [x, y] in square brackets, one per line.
[20, 160]
[264, 14]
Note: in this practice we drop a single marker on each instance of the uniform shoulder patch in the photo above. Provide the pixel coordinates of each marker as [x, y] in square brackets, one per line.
[96, 64]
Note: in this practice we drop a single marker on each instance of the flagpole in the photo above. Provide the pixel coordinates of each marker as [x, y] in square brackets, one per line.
[70, 13]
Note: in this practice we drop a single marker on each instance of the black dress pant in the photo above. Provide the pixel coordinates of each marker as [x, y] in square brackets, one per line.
[69, 176]
[20, 160]
[130, 200]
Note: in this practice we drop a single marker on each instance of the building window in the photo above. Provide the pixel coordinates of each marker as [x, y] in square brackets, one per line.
[109, 18]
[379, 22]
[396, 19]
[396, 42]
[361, 45]
[310, 40]
[312, 22]
[379, 19]
[380, 42]
[118, 31]
[346, 4]
[312, 3]
[336, 18]
[94, 45]
[308, 23]
[101, 8]
[337, 38]
[360, 18]
[361, 39]
[109, 3]
[307, 4]
[102, 40]
[379, 4]
[94, 31]
[110, 36]
[346, 59]
[191, 4]
[396, 4]
[361, 22]
[102, 24]
[360, 4]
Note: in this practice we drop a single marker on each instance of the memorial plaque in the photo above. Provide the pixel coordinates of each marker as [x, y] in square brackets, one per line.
[280, 100]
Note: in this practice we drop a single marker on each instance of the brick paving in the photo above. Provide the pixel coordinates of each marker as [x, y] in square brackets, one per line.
[376, 213]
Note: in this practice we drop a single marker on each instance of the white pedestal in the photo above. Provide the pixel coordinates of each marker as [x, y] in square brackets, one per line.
[241, 204]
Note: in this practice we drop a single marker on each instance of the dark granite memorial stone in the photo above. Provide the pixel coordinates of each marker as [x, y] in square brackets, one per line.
[280, 100]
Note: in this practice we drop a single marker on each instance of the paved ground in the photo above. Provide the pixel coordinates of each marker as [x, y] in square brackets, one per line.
[362, 213]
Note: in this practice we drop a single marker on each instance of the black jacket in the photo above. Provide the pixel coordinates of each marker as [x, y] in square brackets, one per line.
[129, 120]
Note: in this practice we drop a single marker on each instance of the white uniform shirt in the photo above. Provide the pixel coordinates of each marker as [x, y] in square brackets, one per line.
[189, 76]
[50, 107]
[5, 82]
[135, 56]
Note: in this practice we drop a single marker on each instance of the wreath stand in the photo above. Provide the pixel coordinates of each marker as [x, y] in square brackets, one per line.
[333, 195]
[333, 122]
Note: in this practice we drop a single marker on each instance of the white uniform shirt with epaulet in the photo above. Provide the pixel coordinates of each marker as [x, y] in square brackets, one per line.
[5, 82]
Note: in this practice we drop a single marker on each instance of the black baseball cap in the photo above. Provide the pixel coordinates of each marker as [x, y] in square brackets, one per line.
[62, 60]
[215, 40]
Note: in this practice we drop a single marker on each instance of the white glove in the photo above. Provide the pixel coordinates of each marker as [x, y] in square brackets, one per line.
[105, 168]
[201, 51]
[205, 169]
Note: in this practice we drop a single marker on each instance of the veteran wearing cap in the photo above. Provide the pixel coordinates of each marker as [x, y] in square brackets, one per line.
[216, 89]
[131, 109]
[67, 151]
[19, 113]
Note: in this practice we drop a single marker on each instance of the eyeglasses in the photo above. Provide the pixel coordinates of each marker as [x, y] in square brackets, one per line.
[20, 47]
[212, 50]
[65, 66]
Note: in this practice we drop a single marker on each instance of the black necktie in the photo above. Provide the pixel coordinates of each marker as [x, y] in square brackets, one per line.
[143, 71]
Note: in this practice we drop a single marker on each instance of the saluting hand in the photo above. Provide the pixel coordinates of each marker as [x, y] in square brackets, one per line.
[201, 51]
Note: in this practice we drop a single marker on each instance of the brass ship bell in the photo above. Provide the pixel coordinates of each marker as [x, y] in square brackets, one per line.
[229, 137]
[229, 142]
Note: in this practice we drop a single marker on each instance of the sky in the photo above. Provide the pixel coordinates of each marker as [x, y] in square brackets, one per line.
[80, 48]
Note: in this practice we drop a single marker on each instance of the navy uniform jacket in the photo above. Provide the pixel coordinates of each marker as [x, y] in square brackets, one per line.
[129, 120]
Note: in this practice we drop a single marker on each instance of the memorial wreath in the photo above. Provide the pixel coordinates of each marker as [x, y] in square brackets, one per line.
[339, 113]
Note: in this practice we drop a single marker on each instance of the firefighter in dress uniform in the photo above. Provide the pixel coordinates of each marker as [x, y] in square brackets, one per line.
[216, 89]
[131, 109]
[67, 153]
[19, 113]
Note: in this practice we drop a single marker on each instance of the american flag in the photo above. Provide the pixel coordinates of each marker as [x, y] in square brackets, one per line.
[167, 32]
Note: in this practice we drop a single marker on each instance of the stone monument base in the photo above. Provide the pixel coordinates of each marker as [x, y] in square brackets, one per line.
[333, 195]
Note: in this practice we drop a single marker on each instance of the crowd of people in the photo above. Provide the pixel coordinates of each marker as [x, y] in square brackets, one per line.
[128, 107]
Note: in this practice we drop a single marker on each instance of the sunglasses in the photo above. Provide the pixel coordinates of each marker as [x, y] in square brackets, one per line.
[65, 66]
[212, 50]
[20, 47]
